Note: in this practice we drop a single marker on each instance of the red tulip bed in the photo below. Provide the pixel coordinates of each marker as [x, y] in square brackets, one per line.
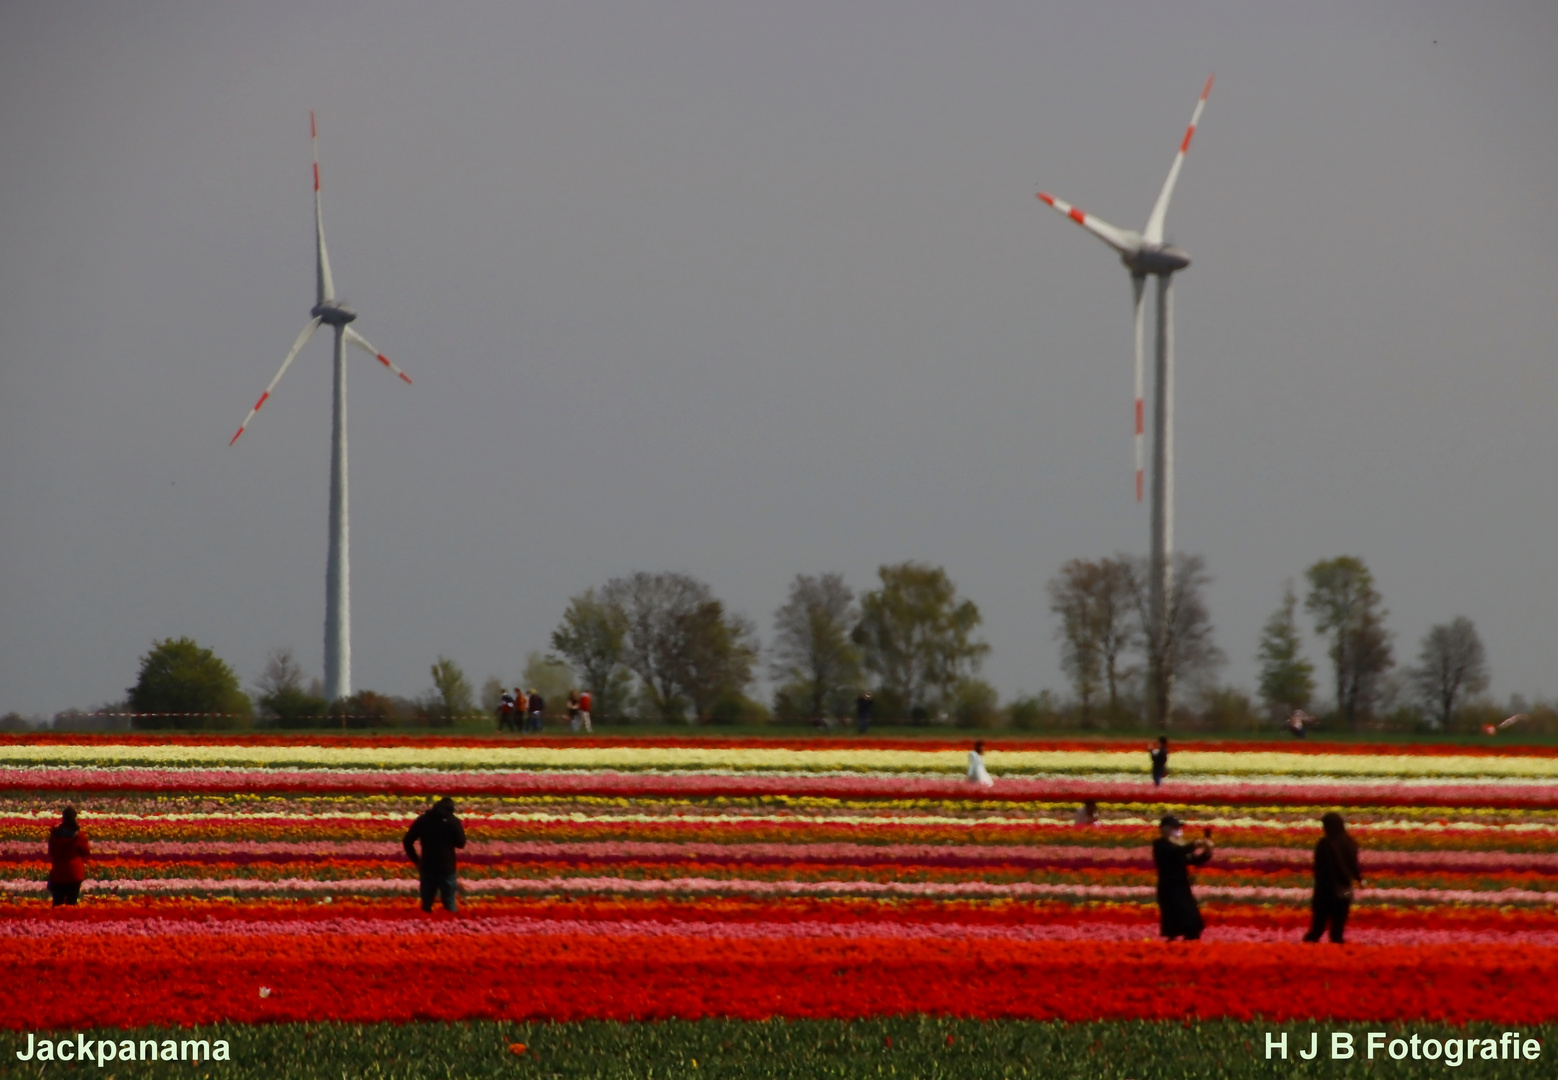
[261, 880]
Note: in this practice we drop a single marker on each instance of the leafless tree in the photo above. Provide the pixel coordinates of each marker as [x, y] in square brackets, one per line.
[282, 675]
[652, 607]
[1451, 665]
[1186, 651]
[1095, 602]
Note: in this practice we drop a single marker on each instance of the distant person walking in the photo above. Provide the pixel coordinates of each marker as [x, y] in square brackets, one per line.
[976, 766]
[1159, 755]
[1178, 915]
[506, 713]
[440, 833]
[863, 708]
[536, 706]
[584, 713]
[68, 848]
[1087, 813]
[1336, 875]
[573, 710]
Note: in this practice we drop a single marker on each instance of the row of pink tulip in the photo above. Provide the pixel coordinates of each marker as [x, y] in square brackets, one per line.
[1320, 790]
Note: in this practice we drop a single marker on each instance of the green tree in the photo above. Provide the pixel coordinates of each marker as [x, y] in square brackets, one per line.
[592, 638]
[1287, 680]
[1094, 602]
[552, 678]
[713, 656]
[1349, 611]
[813, 657]
[1451, 664]
[178, 678]
[917, 636]
[452, 696]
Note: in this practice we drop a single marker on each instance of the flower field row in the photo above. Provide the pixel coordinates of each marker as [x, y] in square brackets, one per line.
[646, 889]
[484, 755]
[1374, 792]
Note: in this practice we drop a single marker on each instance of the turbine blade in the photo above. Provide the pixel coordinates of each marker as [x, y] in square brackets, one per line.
[308, 332]
[1154, 230]
[1138, 289]
[1119, 239]
[362, 343]
[326, 284]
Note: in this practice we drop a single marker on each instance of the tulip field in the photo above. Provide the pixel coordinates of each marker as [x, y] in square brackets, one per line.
[648, 886]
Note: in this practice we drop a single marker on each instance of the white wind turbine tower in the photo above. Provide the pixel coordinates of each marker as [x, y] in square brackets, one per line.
[331, 311]
[1144, 253]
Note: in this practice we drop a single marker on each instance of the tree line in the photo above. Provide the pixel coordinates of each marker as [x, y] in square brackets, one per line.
[1118, 672]
[661, 647]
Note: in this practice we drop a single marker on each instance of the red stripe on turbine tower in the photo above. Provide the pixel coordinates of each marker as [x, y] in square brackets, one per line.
[316, 176]
[1048, 200]
[1184, 147]
[1078, 216]
[1138, 485]
[1139, 415]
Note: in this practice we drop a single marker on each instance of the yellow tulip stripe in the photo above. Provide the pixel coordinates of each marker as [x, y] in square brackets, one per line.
[756, 759]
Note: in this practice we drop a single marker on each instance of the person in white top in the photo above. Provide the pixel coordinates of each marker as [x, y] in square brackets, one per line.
[976, 766]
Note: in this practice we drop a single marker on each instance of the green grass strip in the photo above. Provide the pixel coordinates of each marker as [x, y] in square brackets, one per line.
[918, 1047]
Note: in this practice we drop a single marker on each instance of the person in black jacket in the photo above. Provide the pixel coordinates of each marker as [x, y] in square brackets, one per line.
[1336, 873]
[441, 833]
[1159, 756]
[1178, 915]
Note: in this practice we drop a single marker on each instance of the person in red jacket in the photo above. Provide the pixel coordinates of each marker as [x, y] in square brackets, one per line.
[67, 848]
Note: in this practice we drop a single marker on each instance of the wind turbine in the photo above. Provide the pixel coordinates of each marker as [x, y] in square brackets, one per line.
[329, 310]
[1145, 254]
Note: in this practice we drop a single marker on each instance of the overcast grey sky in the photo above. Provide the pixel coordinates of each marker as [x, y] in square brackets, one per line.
[747, 290]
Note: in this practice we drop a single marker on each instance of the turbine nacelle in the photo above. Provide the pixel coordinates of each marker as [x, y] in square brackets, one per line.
[1158, 259]
[334, 313]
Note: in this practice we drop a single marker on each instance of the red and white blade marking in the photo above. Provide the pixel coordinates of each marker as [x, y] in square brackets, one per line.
[325, 283]
[297, 346]
[362, 343]
[1154, 230]
[1118, 239]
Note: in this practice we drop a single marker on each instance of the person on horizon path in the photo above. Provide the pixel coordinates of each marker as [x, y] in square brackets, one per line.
[1159, 755]
[535, 706]
[68, 848]
[506, 712]
[573, 711]
[1178, 915]
[584, 713]
[863, 706]
[440, 833]
[1336, 874]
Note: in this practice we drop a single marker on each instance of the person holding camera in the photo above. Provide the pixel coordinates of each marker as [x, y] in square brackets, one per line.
[1178, 915]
